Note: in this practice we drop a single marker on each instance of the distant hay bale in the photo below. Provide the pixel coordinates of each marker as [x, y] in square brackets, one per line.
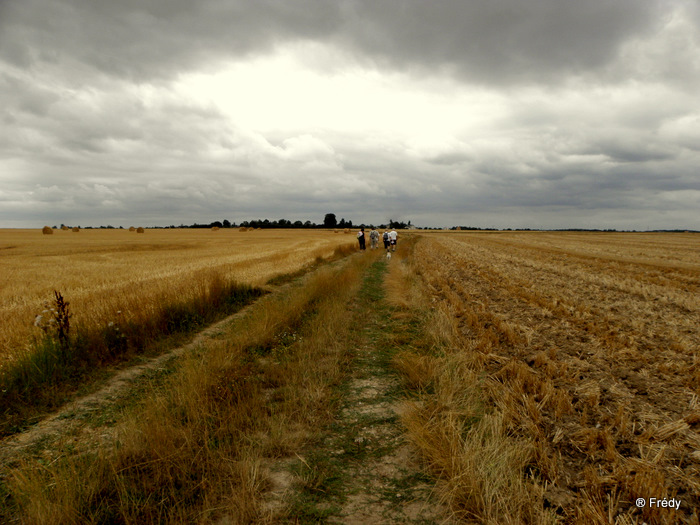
[65, 228]
[242, 229]
[76, 229]
[139, 230]
[132, 229]
[215, 228]
[47, 230]
[346, 230]
[336, 230]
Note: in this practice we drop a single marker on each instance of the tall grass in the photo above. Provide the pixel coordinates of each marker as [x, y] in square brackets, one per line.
[198, 449]
[60, 359]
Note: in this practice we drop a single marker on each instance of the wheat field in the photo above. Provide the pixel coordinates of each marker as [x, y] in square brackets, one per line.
[584, 347]
[102, 272]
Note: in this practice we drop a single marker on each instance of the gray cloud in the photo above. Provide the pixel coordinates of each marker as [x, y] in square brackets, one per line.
[597, 124]
[485, 41]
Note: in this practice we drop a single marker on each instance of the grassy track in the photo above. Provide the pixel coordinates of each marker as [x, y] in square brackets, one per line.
[361, 469]
[300, 389]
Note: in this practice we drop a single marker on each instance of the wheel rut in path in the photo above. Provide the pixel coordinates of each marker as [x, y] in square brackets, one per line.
[363, 469]
[70, 424]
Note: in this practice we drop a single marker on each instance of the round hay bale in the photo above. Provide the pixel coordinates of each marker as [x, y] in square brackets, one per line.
[132, 229]
[65, 228]
[242, 229]
[336, 230]
[346, 230]
[47, 230]
[76, 229]
[215, 228]
[140, 230]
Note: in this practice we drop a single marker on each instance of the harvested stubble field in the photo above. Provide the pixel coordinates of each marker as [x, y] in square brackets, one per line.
[586, 346]
[545, 378]
[102, 272]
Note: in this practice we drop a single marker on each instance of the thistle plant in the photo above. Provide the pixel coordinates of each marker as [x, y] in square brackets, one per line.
[54, 320]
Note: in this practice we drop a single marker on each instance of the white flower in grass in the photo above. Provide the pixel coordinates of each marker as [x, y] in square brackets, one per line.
[37, 320]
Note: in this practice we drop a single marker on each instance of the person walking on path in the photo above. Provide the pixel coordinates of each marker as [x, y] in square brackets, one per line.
[392, 239]
[385, 238]
[373, 238]
[361, 238]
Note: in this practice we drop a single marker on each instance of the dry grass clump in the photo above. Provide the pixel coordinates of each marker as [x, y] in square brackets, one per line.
[47, 230]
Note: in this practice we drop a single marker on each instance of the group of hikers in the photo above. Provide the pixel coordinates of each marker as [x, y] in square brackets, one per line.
[389, 238]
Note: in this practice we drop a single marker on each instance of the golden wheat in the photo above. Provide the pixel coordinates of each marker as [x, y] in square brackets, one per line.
[101, 272]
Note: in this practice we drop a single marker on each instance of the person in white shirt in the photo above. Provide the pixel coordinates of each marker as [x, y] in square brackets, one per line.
[392, 239]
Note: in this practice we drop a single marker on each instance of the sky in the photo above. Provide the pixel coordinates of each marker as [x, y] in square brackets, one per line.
[484, 113]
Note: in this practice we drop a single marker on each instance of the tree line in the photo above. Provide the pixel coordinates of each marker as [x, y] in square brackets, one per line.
[329, 221]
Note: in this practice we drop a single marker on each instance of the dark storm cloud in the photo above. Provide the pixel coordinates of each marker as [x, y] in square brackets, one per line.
[502, 40]
[484, 41]
[146, 40]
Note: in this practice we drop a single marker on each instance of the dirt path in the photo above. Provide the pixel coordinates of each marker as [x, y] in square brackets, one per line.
[363, 470]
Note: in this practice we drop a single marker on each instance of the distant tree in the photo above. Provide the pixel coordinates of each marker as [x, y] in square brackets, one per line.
[329, 221]
[227, 223]
[298, 224]
[398, 225]
[341, 224]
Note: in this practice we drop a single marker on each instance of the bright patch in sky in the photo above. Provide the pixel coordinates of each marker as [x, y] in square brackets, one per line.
[280, 93]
